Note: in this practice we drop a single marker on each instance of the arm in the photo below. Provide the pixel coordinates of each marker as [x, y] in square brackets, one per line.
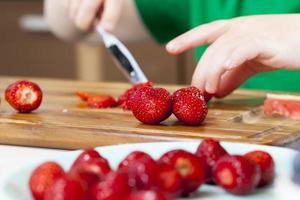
[67, 26]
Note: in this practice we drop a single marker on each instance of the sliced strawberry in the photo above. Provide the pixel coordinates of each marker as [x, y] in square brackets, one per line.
[101, 102]
[147, 195]
[237, 174]
[266, 164]
[43, 177]
[24, 96]
[84, 96]
[87, 155]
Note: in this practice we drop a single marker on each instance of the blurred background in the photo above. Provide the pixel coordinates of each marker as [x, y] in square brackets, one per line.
[27, 48]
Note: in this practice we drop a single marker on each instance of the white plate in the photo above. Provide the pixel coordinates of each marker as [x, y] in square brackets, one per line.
[15, 186]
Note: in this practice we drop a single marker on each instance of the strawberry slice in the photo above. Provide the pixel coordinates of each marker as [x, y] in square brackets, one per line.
[97, 101]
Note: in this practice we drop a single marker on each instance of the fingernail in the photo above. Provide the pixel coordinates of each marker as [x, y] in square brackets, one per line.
[107, 26]
[172, 46]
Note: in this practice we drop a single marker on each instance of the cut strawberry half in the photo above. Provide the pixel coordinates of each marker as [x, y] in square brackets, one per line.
[97, 101]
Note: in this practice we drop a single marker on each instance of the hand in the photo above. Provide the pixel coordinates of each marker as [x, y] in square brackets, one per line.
[240, 48]
[84, 13]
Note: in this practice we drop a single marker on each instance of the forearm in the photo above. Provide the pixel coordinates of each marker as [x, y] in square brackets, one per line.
[61, 25]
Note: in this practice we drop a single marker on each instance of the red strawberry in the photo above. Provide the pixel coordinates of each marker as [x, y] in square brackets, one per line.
[84, 96]
[43, 177]
[87, 155]
[24, 96]
[147, 195]
[101, 102]
[210, 151]
[189, 106]
[191, 168]
[67, 188]
[124, 99]
[236, 174]
[91, 171]
[207, 96]
[133, 156]
[169, 179]
[151, 106]
[266, 164]
[114, 187]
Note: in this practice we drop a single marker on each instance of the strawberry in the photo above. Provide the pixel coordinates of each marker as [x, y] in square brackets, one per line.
[114, 187]
[91, 171]
[43, 177]
[84, 96]
[207, 96]
[133, 156]
[87, 155]
[67, 188]
[124, 99]
[189, 106]
[147, 195]
[266, 164]
[191, 168]
[210, 151]
[169, 179]
[24, 96]
[237, 174]
[101, 102]
[151, 105]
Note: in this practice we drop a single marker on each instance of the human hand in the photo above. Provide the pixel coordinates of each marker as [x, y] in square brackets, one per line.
[240, 48]
[84, 13]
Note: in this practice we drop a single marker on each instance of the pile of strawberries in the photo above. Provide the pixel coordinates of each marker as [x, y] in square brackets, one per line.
[177, 173]
[153, 105]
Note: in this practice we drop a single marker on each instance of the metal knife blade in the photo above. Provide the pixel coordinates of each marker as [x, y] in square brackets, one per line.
[122, 57]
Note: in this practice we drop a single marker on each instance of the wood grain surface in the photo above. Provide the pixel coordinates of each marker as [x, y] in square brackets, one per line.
[63, 122]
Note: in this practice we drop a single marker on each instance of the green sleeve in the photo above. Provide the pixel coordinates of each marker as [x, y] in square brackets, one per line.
[164, 19]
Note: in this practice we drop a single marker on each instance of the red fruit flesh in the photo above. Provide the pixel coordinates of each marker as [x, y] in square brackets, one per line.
[91, 172]
[151, 106]
[236, 174]
[24, 96]
[169, 179]
[133, 156]
[189, 106]
[43, 177]
[84, 96]
[114, 187]
[85, 156]
[67, 188]
[210, 151]
[191, 168]
[266, 164]
[101, 102]
[124, 99]
[147, 195]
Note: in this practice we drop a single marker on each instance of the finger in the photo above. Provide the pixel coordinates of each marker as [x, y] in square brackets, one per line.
[232, 79]
[246, 51]
[201, 35]
[215, 64]
[74, 7]
[66, 3]
[198, 79]
[111, 14]
[87, 13]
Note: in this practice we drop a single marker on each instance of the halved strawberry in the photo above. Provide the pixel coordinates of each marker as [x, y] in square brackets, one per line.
[87, 155]
[83, 95]
[191, 168]
[101, 102]
[43, 177]
[266, 164]
[24, 96]
[237, 174]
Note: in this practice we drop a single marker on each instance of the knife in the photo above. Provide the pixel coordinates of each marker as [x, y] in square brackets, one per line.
[122, 57]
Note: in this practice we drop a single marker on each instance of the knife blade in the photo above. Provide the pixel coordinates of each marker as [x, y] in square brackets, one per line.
[122, 57]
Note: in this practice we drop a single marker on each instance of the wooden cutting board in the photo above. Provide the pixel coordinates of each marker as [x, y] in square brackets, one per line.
[62, 121]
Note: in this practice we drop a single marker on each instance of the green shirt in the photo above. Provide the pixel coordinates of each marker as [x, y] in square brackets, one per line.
[166, 19]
